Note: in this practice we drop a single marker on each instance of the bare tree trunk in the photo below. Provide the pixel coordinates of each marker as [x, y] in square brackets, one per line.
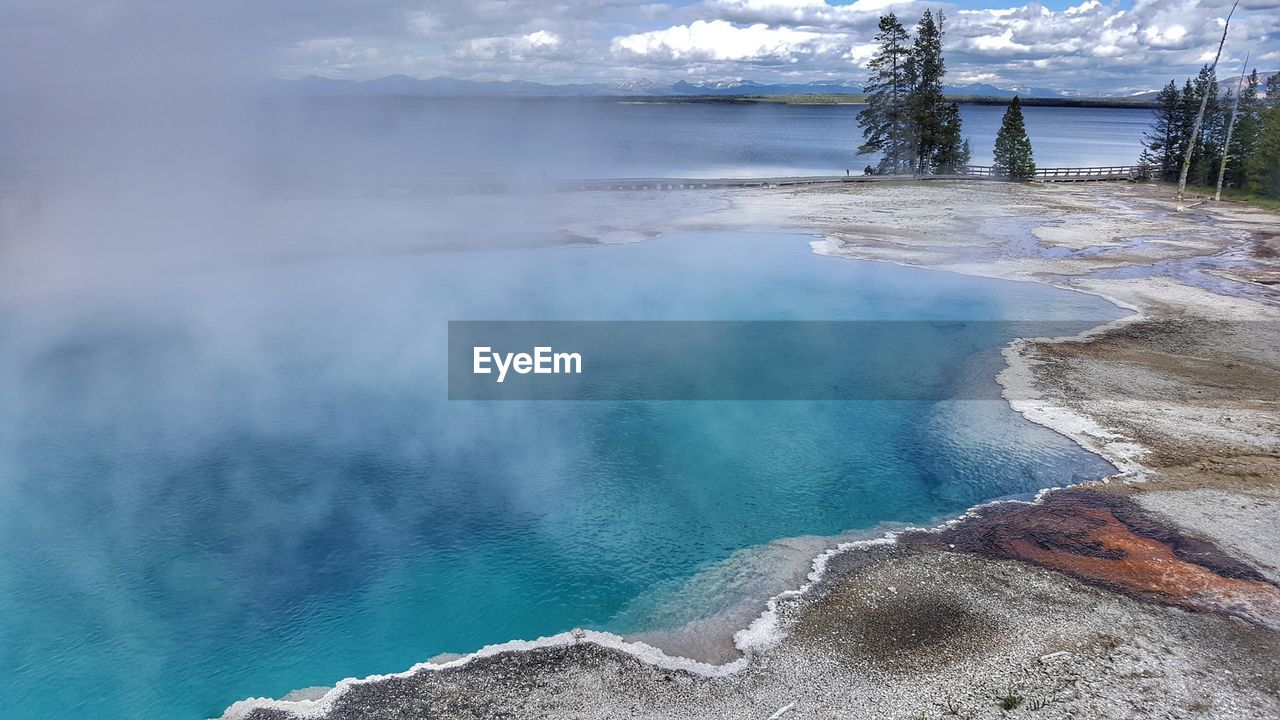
[1231, 126]
[1195, 130]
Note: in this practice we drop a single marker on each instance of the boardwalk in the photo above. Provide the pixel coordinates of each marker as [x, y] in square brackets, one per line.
[1070, 174]
[973, 172]
[13, 191]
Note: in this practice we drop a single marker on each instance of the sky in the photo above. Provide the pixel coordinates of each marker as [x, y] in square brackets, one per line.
[1087, 46]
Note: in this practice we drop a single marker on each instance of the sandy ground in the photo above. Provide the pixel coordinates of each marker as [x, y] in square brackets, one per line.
[1149, 595]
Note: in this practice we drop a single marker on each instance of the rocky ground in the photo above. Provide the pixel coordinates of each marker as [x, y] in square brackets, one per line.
[1150, 595]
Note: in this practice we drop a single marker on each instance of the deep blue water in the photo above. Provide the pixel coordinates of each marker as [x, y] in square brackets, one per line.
[413, 138]
[371, 143]
[240, 482]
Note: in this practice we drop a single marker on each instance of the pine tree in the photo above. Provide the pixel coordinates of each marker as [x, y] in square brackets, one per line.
[1263, 166]
[1165, 142]
[1215, 135]
[951, 151]
[1211, 91]
[1245, 134]
[885, 122]
[926, 70]
[935, 124]
[1013, 157]
[1208, 144]
[1190, 106]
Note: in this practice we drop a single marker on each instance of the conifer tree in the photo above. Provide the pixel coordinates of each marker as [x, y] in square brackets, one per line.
[1263, 166]
[1253, 155]
[1165, 141]
[1013, 156]
[926, 72]
[885, 122]
[1207, 151]
[936, 126]
[1199, 118]
[1203, 153]
[951, 150]
[1244, 134]
[1262, 169]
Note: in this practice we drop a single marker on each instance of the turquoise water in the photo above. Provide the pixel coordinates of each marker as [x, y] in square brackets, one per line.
[242, 482]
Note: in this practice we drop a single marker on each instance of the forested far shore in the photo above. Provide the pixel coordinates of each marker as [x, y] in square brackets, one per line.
[861, 98]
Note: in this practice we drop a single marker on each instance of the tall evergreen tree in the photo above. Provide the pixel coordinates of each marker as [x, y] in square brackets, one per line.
[1262, 170]
[1245, 134]
[1248, 164]
[1190, 106]
[1203, 93]
[1204, 98]
[1013, 157]
[951, 150]
[926, 72]
[1213, 134]
[1263, 166]
[936, 126]
[885, 122]
[1165, 142]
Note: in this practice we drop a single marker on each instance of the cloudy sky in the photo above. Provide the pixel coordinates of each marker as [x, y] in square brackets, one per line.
[1085, 45]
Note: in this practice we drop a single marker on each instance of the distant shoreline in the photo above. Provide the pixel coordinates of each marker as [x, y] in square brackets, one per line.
[801, 99]
[857, 99]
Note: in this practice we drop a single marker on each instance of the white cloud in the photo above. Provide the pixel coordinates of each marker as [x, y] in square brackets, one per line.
[1164, 37]
[876, 5]
[717, 40]
[862, 53]
[519, 47]
[773, 5]
[997, 43]
[424, 23]
[1083, 7]
[339, 53]
[1096, 45]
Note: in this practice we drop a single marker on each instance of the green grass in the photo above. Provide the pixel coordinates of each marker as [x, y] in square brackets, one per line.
[1010, 702]
[1231, 194]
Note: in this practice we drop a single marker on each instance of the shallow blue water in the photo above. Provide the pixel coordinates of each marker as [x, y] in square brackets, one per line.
[243, 482]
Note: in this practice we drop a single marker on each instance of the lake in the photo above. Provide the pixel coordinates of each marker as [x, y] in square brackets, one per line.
[241, 480]
[355, 138]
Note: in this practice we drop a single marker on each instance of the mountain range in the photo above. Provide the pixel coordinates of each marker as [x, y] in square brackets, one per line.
[1223, 86]
[450, 87]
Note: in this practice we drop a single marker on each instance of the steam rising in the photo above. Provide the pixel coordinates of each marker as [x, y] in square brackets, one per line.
[221, 323]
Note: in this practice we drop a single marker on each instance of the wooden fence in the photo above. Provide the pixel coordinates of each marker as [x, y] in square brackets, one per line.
[1068, 174]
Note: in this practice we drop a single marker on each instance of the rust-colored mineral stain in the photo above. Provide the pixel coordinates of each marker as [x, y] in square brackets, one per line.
[1110, 541]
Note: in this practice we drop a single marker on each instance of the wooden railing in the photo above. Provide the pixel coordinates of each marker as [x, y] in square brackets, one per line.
[1067, 174]
[984, 172]
[974, 172]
